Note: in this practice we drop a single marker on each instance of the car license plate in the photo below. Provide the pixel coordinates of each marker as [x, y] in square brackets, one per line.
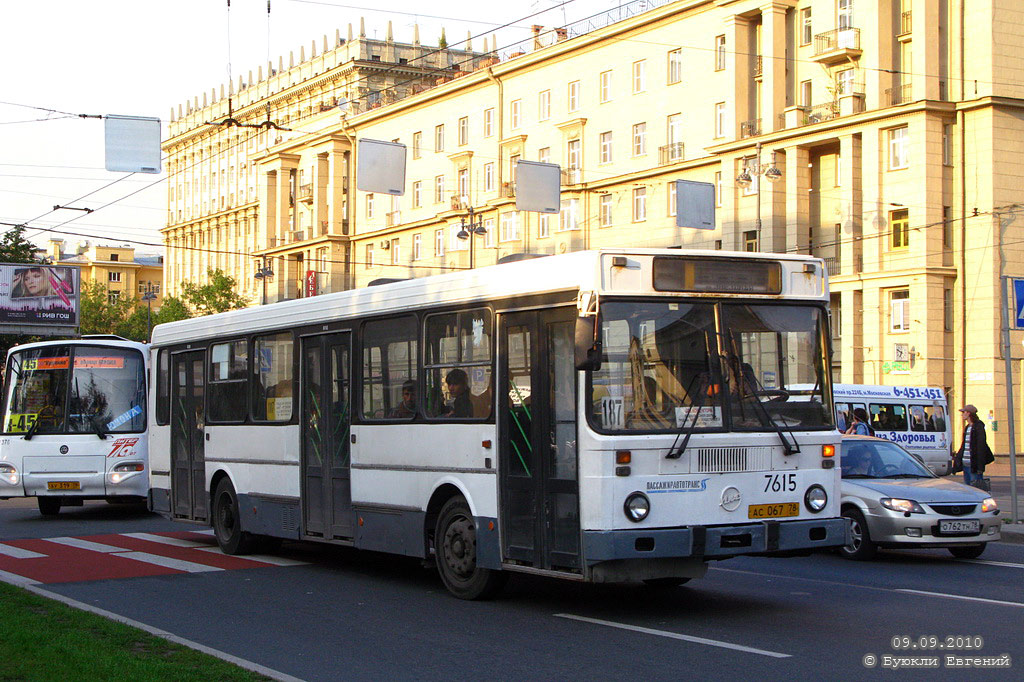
[959, 526]
[773, 511]
[64, 485]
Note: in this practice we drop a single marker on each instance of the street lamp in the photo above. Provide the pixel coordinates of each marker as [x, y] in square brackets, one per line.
[475, 225]
[263, 274]
[149, 297]
[771, 173]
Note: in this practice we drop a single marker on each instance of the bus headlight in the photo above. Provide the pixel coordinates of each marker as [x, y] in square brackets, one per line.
[637, 507]
[124, 470]
[8, 474]
[815, 498]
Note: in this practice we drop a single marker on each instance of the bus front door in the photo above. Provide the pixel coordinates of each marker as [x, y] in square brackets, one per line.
[537, 422]
[326, 478]
[188, 455]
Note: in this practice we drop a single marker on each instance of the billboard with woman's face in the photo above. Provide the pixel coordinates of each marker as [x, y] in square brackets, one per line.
[38, 295]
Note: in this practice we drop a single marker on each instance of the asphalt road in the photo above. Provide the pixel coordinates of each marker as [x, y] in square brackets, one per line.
[339, 614]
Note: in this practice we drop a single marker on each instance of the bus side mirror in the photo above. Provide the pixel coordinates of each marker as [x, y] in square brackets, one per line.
[588, 346]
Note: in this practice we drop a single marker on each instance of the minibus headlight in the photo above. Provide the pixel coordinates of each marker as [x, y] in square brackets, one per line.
[637, 507]
[815, 498]
[9, 474]
[124, 470]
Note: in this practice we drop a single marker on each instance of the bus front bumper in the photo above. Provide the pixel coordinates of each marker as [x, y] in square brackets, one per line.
[715, 542]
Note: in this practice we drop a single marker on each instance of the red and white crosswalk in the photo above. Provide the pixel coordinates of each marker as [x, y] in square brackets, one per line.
[125, 555]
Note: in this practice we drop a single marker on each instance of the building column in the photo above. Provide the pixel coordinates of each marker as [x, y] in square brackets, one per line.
[797, 180]
[321, 190]
[284, 205]
[924, 50]
[850, 236]
[851, 327]
[738, 50]
[267, 236]
[773, 65]
[874, 18]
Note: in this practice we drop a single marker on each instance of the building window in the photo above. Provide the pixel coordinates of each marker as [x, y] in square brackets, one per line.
[947, 227]
[844, 82]
[544, 225]
[755, 178]
[439, 138]
[417, 246]
[845, 14]
[464, 130]
[439, 242]
[675, 66]
[544, 155]
[639, 204]
[489, 233]
[575, 160]
[417, 194]
[113, 297]
[839, 170]
[720, 119]
[417, 144]
[750, 240]
[947, 309]
[438, 189]
[899, 310]
[606, 86]
[605, 215]
[544, 105]
[605, 155]
[719, 53]
[509, 227]
[463, 183]
[369, 206]
[899, 140]
[142, 287]
[805, 26]
[488, 122]
[947, 144]
[805, 93]
[369, 256]
[899, 228]
[114, 257]
[574, 95]
[489, 177]
[718, 188]
[514, 113]
[396, 251]
[639, 139]
[569, 215]
[639, 76]
[113, 276]
[672, 187]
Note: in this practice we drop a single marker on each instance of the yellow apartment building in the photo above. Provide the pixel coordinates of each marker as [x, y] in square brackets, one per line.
[118, 268]
[883, 136]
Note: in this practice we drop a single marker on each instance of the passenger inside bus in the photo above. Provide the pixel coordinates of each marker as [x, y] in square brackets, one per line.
[407, 408]
[459, 404]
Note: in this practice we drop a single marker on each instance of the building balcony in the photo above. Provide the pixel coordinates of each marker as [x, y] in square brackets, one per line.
[508, 190]
[758, 68]
[901, 94]
[393, 218]
[832, 265]
[571, 176]
[750, 128]
[671, 153]
[836, 46]
[305, 193]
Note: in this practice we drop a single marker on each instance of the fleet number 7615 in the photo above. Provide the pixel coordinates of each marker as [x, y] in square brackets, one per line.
[779, 483]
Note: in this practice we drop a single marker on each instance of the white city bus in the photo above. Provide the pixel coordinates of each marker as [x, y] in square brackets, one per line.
[74, 422]
[598, 416]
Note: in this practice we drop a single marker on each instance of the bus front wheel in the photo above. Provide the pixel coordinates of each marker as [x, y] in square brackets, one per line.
[49, 506]
[455, 553]
[227, 522]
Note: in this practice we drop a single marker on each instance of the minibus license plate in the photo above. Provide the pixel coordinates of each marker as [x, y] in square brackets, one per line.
[959, 526]
[64, 485]
[771, 511]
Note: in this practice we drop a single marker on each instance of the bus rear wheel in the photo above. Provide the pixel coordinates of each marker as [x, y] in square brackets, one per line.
[455, 554]
[49, 506]
[227, 522]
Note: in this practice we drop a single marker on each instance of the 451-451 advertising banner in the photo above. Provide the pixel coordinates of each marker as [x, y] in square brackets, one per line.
[38, 299]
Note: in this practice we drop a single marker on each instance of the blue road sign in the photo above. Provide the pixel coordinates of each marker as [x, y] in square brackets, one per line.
[1018, 303]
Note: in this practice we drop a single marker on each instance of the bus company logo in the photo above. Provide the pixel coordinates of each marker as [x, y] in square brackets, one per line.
[911, 438]
[681, 486]
[64, 449]
[123, 447]
[731, 498]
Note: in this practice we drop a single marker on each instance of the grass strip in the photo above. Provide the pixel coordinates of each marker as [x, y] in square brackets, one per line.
[43, 639]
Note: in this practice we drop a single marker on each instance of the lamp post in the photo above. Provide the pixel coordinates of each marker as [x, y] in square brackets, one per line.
[474, 225]
[771, 173]
[149, 297]
[263, 274]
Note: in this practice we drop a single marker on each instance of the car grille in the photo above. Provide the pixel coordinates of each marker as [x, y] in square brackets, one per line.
[954, 509]
[725, 460]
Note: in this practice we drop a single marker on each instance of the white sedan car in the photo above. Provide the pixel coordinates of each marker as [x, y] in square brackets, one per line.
[893, 500]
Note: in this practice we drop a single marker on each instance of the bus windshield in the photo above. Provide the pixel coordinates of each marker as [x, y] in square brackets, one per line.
[75, 389]
[680, 365]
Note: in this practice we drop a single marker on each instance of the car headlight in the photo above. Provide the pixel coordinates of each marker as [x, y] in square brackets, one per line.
[815, 498]
[989, 505]
[124, 470]
[8, 474]
[637, 507]
[897, 504]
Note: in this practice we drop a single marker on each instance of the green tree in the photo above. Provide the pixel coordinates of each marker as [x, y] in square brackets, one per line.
[135, 325]
[99, 314]
[216, 296]
[14, 248]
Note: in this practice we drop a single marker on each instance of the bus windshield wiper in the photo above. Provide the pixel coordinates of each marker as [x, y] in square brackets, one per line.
[32, 429]
[733, 360]
[97, 427]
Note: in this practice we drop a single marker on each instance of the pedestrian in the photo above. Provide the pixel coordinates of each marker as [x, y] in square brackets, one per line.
[859, 425]
[974, 452]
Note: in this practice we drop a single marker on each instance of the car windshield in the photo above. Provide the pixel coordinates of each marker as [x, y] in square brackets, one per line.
[668, 365]
[879, 459]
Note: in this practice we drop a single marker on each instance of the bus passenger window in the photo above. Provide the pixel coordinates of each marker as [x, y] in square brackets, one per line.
[389, 368]
[457, 364]
[273, 384]
[228, 368]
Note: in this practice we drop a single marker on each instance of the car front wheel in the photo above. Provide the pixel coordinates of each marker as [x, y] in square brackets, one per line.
[860, 548]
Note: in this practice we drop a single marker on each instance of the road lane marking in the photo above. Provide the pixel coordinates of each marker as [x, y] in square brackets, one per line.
[86, 544]
[674, 635]
[168, 562]
[19, 553]
[265, 558]
[962, 597]
[1004, 564]
[17, 580]
[164, 540]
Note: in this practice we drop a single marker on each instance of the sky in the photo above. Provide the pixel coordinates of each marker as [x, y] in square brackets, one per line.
[69, 60]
